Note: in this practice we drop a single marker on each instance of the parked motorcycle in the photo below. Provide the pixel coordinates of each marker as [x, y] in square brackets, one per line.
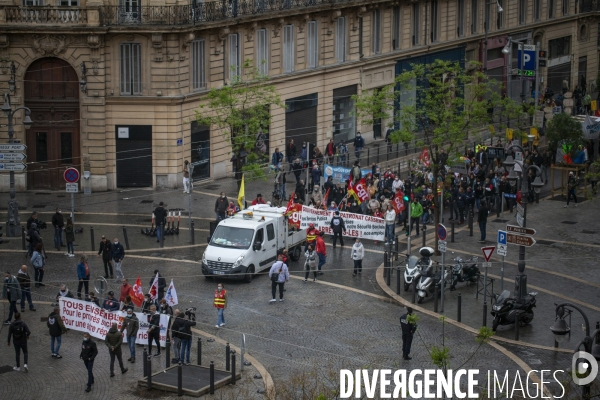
[464, 271]
[506, 308]
[414, 266]
[429, 278]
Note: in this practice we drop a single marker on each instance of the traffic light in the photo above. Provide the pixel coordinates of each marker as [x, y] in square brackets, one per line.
[405, 198]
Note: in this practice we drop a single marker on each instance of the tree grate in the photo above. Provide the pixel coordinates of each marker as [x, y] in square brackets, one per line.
[38, 206]
[43, 193]
[569, 222]
[146, 201]
[545, 242]
[498, 220]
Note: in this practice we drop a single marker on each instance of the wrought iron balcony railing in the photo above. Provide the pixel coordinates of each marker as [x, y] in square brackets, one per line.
[46, 15]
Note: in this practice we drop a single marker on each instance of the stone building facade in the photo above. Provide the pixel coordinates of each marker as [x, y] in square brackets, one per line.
[114, 86]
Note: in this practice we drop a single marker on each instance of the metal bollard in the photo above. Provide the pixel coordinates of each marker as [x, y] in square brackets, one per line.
[162, 236]
[485, 313]
[144, 361]
[199, 351]
[395, 247]
[180, 380]
[471, 222]
[389, 272]
[459, 309]
[23, 241]
[385, 264]
[233, 369]
[498, 205]
[168, 353]
[399, 279]
[227, 356]
[424, 236]
[368, 155]
[517, 326]
[192, 232]
[435, 298]
[126, 238]
[149, 372]
[212, 378]
[414, 293]
[92, 238]
[452, 232]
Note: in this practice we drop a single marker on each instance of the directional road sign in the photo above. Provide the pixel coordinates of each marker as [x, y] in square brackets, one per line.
[520, 220]
[71, 175]
[12, 167]
[487, 252]
[520, 240]
[442, 246]
[12, 147]
[73, 187]
[522, 231]
[442, 232]
[12, 157]
[520, 209]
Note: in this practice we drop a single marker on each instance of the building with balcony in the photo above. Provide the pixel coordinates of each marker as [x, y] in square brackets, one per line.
[113, 85]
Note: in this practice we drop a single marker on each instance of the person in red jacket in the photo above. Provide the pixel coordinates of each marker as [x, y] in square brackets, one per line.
[321, 251]
[330, 151]
[125, 289]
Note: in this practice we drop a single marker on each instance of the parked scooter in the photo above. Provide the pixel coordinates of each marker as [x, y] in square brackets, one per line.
[506, 308]
[464, 271]
[414, 266]
[429, 278]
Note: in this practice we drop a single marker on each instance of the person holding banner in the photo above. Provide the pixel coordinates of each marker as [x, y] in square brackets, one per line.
[131, 323]
[114, 340]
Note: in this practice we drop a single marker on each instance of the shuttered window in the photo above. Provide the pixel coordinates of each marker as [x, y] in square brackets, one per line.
[396, 35]
[234, 56]
[131, 68]
[340, 39]
[198, 64]
[288, 48]
[376, 31]
[262, 51]
[313, 44]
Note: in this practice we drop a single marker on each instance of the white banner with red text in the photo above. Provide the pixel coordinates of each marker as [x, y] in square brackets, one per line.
[357, 225]
[85, 316]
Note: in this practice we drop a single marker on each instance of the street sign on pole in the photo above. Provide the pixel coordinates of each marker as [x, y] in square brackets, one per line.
[501, 249]
[442, 232]
[528, 57]
[520, 220]
[72, 187]
[520, 230]
[12, 157]
[12, 166]
[501, 237]
[71, 175]
[520, 209]
[487, 252]
[12, 147]
[442, 246]
[520, 240]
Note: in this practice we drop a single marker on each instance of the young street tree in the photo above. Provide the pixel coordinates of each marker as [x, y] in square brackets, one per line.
[443, 103]
[564, 130]
[242, 112]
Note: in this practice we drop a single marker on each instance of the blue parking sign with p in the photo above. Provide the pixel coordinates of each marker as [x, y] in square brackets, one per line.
[501, 237]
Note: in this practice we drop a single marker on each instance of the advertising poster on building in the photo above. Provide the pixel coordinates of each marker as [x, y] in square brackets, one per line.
[357, 225]
[85, 316]
[341, 174]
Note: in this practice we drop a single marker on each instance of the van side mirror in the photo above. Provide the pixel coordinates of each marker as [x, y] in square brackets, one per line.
[257, 246]
[208, 239]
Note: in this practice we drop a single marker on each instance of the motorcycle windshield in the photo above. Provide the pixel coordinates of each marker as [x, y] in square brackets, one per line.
[412, 262]
[503, 296]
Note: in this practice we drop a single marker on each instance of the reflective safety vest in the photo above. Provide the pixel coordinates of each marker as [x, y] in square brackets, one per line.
[220, 298]
[311, 235]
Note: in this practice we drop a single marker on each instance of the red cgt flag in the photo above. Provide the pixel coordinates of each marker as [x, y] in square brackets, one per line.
[360, 188]
[136, 293]
[398, 202]
[424, 157]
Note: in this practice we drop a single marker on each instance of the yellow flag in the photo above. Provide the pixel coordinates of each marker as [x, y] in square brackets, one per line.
[241, 195]
[594, 105]
[509, 134]
[534, 132]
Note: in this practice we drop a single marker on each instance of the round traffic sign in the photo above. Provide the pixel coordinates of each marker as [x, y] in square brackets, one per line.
[71, 175]
[441, 232]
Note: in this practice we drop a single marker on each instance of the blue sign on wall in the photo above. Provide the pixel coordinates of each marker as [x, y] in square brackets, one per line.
[340, 174]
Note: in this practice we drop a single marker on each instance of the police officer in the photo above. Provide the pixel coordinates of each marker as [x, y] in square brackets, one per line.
[338, 226]
[408, 330]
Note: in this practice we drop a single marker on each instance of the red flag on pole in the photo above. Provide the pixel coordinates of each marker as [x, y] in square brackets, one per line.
[136, 293]
[398, 202]
[424, 157]
[324, 201]
[154, 288]
[360, 189]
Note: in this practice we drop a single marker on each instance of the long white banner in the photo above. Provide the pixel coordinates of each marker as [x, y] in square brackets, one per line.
[85, 316]
[357, 225]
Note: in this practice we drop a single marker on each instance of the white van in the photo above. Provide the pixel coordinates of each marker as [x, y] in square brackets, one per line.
[249, 242]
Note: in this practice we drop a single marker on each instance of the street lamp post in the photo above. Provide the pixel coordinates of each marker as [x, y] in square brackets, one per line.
[13, 221]
[508, 50]
[560, 329]
[537, 185]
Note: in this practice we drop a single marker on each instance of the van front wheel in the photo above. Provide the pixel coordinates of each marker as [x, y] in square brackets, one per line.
[249, 274]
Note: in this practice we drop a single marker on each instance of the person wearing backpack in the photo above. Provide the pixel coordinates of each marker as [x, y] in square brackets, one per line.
[132, 324]
[11, 291]
[20, 334]
[25, 283]
[311, 263]
[279, 275]
[38, 261]
[56, 328]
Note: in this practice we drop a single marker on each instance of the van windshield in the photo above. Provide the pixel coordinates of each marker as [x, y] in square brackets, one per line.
[234, 238]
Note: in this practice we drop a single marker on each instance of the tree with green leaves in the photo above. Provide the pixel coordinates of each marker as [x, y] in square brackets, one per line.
[441, 102]
[564, 131]
[242, 112]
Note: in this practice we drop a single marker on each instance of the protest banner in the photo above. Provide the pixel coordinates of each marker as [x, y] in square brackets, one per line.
[85, 316]
[357, 225]
[341, 174]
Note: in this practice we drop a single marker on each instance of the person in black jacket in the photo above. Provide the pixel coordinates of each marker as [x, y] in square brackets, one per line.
[185, 334]
[89, 351]
[148, 302]
[154, 330]
[117, 253]
[34, 238]
[56, 328]
[160, 216]
[482, 219]
[59, 225]
[20, 334]
[104, 251]
[338, 226]
[221, 206]
[408, 330]
[110, 303]
[290, 153]
[162, 284]
[175, 336]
